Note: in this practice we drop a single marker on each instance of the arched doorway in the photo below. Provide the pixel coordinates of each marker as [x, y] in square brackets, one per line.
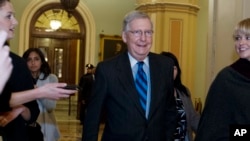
[86, 54]
[90, 34]
[61, 44]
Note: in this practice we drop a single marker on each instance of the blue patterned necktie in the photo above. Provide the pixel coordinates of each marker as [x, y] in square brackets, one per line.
[141, 85]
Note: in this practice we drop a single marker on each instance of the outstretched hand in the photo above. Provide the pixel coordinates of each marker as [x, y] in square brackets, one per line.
[54, 91]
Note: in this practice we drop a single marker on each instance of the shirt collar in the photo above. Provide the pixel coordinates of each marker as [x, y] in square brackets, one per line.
[133, 61]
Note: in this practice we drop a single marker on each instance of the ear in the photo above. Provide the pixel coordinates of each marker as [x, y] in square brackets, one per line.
[124, 37]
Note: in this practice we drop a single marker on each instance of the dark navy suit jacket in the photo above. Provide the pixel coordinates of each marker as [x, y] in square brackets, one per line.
[114, 90]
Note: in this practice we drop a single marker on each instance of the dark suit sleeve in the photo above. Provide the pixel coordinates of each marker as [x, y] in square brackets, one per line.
[4, 102]
[171, 114]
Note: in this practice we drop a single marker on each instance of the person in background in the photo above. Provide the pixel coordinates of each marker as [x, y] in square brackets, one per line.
[21, 108]
[86, 83]
[5, 61]
[118, 48]
[133, 90]
[187, 118]
[41, 74]
[227, 101]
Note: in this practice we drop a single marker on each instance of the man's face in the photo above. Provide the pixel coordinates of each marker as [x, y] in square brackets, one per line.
[138, 38]
[89, 70]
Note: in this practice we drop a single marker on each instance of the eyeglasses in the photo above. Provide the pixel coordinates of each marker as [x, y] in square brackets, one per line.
[139, 33]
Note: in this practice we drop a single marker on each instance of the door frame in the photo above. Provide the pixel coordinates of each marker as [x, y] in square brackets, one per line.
[90, 33]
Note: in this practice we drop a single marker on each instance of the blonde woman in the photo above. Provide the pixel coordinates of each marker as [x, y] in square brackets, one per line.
[227, 100]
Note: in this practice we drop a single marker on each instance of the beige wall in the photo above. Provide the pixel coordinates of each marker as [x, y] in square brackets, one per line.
[175, 25]
[107, 15]
[215, 22]
[215, 46]
[19, 7]
[201, 50]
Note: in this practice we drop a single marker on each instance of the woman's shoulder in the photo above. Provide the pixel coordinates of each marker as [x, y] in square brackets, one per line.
[52, 75]
[226, 73]
[53, 78]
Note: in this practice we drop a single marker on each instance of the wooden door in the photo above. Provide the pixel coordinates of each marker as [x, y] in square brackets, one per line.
[61, 56]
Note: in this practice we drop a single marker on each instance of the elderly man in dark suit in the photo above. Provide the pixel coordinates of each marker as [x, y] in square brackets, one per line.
[135, 89]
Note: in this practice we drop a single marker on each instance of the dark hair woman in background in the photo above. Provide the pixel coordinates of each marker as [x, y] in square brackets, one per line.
[187, 117]
[41, 74]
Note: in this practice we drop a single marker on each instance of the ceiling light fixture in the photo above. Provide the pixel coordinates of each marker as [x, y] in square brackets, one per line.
[55, 24]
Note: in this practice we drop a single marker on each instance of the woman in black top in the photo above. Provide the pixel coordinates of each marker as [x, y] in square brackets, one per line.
[17, 105]
[227, 101]
[15, 119]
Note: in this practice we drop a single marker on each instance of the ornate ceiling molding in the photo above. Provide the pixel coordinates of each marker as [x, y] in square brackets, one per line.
[168, 6]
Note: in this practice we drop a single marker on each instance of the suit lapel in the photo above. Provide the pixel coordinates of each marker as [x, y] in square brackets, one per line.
[155, 77]
[127, 80]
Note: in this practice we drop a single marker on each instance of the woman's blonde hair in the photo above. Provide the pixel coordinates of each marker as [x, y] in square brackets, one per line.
[242, 27]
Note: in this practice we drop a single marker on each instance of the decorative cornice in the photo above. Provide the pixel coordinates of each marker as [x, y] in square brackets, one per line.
[169, 6]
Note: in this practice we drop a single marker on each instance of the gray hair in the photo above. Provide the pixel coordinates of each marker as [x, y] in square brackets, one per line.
[132, 16]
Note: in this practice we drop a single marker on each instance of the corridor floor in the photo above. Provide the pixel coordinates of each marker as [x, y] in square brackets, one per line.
[70, 128]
